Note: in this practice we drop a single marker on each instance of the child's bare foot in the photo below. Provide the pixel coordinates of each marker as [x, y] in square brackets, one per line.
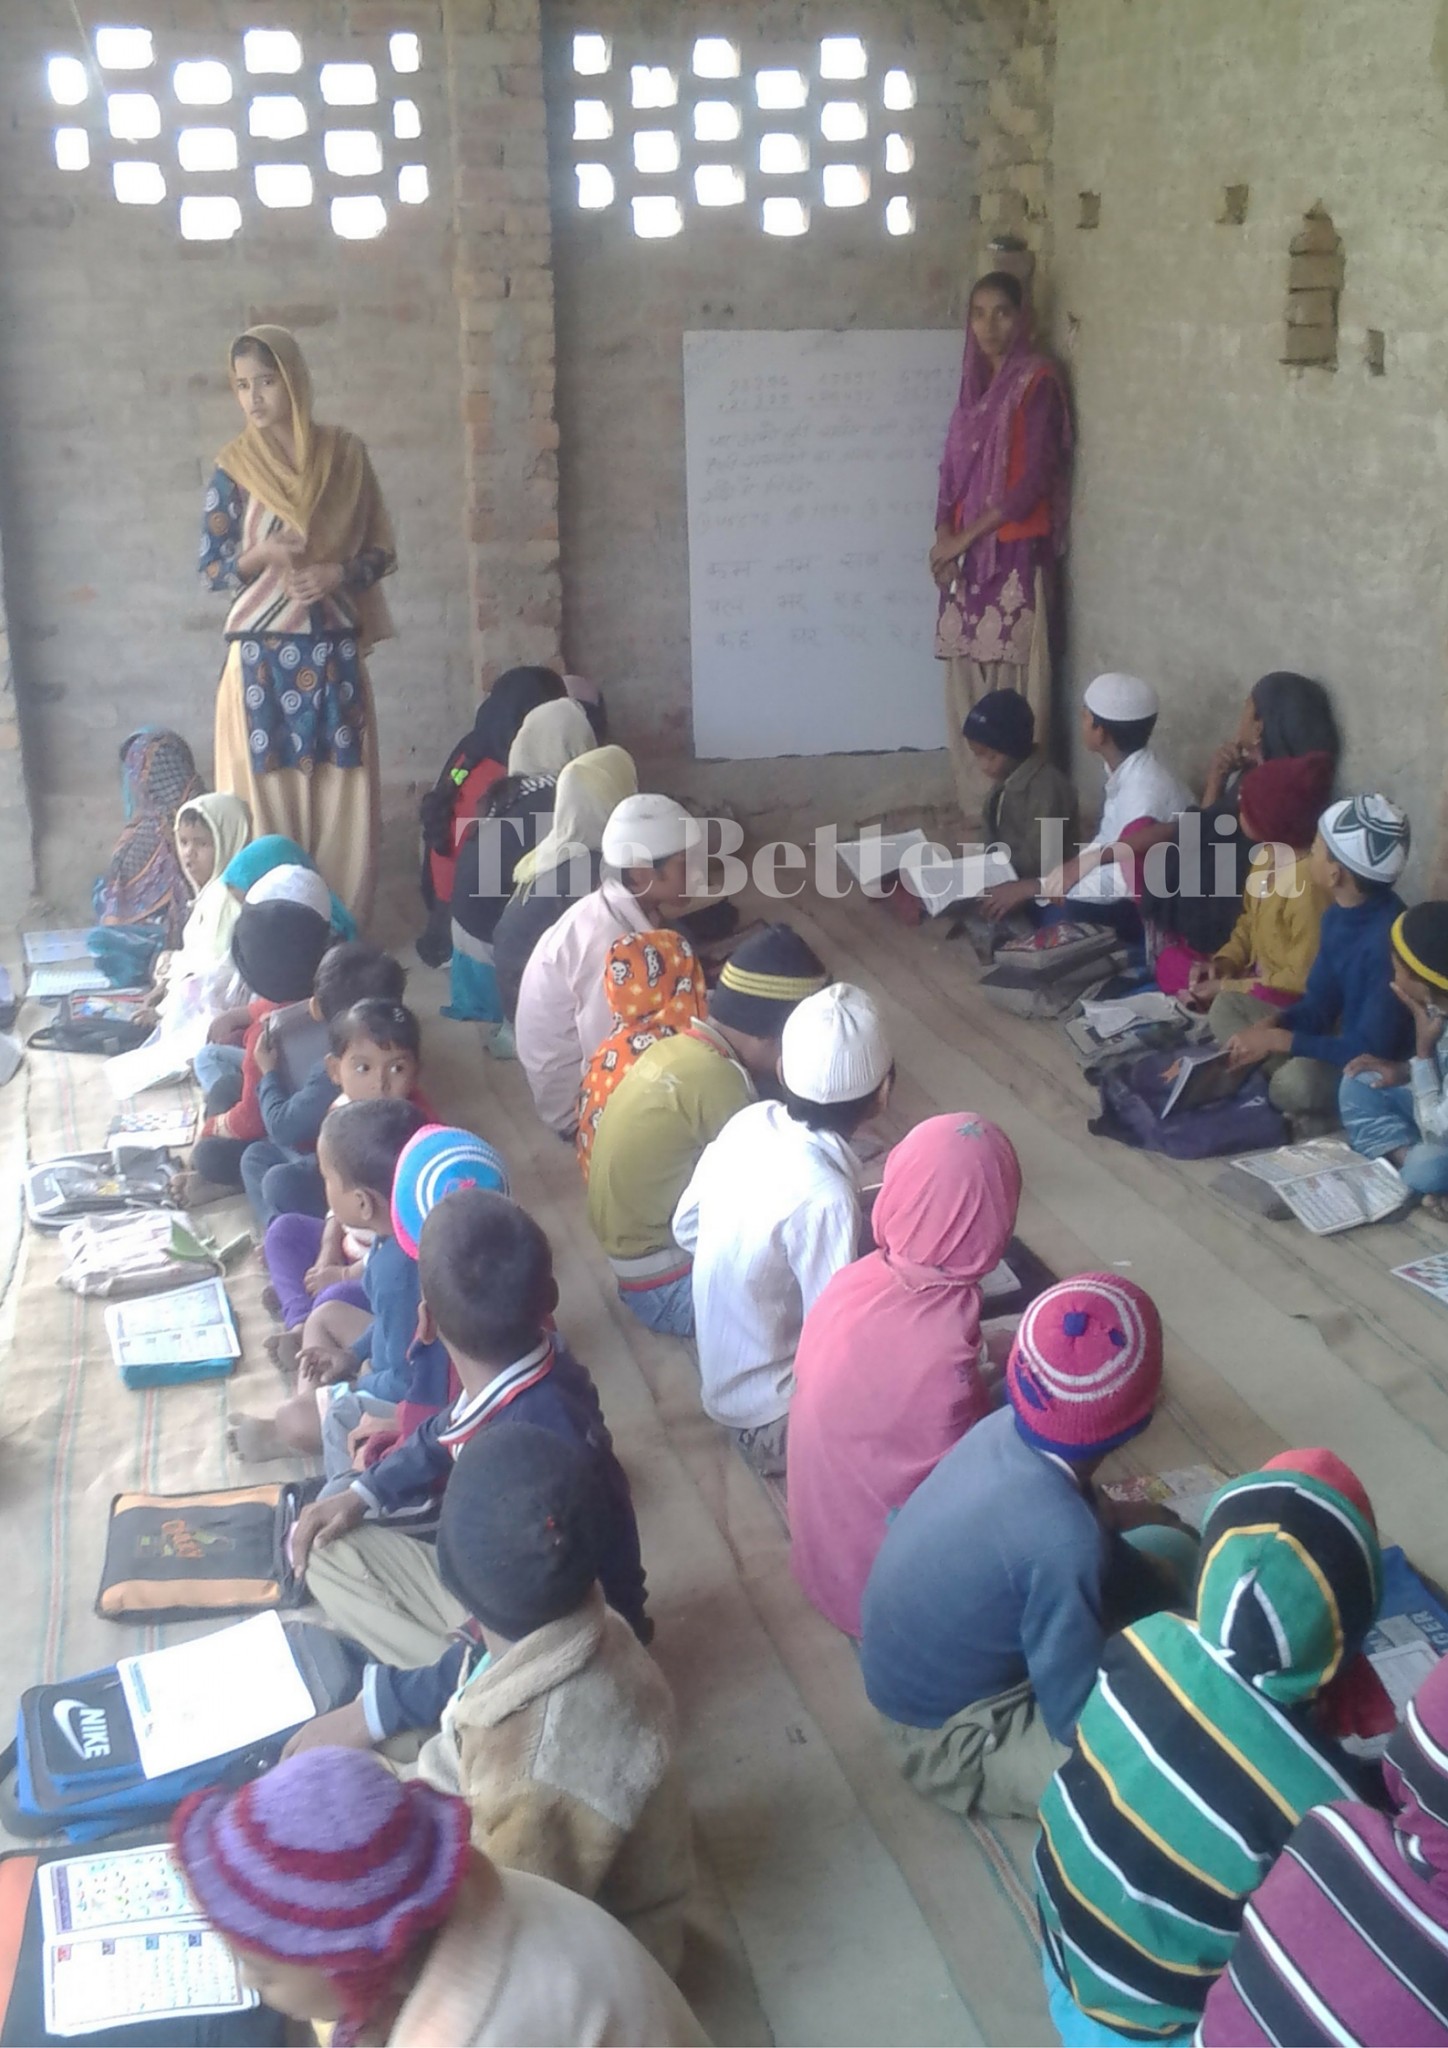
[1435, 1206]
[193, 1190]
[284, 1349]
[271, 1301]
[255, 1439]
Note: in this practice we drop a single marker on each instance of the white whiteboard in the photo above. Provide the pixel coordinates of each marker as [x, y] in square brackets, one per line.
[812, 466]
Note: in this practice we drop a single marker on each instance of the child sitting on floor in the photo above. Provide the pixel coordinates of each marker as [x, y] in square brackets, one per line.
[279, 1172]
[351, 1898]
[198, 979]
[1396, 1110]
[563, 1014]
[1195, 1755]
[772, 1212]
[1352, 1918]
[1274, 942]
[488, 1292]
[889, 1372]
[673, 1100]
[1026, 789]
[357, 1151]
[1099, 885]
[1349, 1007]
[277, 949]
[994, 1588]
[438, 1161]
[559, 1729]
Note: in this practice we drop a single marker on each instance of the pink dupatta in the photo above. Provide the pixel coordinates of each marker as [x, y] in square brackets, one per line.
[975, 463]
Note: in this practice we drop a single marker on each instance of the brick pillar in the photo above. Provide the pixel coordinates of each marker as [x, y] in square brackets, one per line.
[17, 868]
[503, 281]
[1015, 144]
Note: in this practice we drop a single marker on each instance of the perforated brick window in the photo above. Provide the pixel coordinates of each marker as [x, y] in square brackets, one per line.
[797, 135]
[227, 129]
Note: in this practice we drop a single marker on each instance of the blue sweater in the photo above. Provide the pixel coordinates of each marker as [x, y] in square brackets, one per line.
[993, 1572]
[387, 1346]
[294, 1119]
[1348, 1005]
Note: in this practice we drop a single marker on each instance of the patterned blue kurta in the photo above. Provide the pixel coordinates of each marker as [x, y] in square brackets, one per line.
[302, 690]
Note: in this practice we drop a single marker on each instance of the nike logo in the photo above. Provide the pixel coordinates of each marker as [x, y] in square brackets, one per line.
[84, 1728]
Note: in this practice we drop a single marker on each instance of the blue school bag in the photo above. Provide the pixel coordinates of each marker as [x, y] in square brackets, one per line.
[74, 1767]
[1133, 1095]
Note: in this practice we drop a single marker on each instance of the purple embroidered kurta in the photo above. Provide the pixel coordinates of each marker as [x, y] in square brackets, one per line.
[989, 614]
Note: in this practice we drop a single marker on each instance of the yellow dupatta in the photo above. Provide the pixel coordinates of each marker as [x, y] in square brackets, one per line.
[330, 497]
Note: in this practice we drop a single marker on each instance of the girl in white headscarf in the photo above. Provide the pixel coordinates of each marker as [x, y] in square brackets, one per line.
[518, 813]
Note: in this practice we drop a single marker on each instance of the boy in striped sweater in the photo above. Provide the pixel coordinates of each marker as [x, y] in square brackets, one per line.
[1347, 1940]
[1196, 1754]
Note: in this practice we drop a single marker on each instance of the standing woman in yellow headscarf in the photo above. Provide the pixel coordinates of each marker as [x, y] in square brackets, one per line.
[296, 533]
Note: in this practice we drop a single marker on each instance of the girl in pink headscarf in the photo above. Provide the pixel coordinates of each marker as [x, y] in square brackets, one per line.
[888, 1370]
[1000, 518]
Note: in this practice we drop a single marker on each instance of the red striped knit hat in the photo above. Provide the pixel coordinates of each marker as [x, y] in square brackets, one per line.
[328, 1861]
[1085, 1369]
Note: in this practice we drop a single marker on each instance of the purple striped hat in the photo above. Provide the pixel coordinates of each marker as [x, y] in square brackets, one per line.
[437, 1161]
[1085, 1369]
[328, 1861]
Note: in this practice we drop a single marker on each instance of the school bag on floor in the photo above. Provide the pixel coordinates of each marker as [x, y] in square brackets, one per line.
[1134, 1095]
[76, 1762]
[141, 1251]
[193, 1556]
[1047, 973]
[94, 1023]
[61, 1191]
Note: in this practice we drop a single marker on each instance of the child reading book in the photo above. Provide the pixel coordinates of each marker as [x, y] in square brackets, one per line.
[1025, 788]
[1348, 1007]
[1398, 1110]
[1274, 942]
[352, 1898]
[1098, 885]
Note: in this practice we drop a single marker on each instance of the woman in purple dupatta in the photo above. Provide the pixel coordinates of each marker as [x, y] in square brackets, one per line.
[1000, 519]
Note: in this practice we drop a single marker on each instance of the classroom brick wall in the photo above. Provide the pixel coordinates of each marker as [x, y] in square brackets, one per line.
[433, 341]
[1234, 513]
[980, 131]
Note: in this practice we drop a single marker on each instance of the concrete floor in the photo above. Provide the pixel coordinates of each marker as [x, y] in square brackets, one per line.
[833, 1906]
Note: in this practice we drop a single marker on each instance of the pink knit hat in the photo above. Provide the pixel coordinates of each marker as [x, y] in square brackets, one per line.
[1085, 1368]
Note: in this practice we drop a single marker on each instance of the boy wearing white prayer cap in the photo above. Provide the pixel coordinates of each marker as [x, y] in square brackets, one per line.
[563, 1015]
[773, 1211]
[1118, 718]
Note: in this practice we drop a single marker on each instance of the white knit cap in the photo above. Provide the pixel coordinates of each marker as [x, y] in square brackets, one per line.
[834, 1048]
[645, 829]
[1121, 698]
[1369, 836]
[293, 885]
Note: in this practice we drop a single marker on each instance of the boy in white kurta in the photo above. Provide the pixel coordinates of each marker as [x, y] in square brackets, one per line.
[773, 1211]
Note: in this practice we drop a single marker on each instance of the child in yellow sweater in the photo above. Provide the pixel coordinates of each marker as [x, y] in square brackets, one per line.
[1274, 941]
